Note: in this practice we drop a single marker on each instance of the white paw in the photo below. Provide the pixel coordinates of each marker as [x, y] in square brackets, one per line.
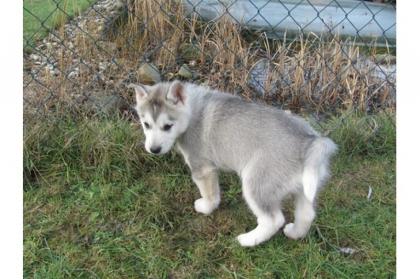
[248, 239]
[290, 231]
[204, 206]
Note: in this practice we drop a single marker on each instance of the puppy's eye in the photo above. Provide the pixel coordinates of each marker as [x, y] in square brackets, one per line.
[146, 125]
[167, 127]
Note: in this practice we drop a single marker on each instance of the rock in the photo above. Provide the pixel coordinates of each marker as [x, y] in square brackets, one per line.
[72, 74]
[347, 250]
[103, 66]
[385, 72]
[185, 72]
[54, 72]
[42, 47]
[148, 74]
[35, 57]
[169, 76]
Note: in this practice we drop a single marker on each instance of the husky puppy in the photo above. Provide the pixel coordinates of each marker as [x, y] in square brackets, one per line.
[275, 153]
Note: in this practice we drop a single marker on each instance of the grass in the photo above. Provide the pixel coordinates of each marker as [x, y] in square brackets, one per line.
[97, 206]
[52, 13]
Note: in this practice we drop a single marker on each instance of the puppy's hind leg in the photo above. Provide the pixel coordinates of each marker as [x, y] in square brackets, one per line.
[269, 216]
[315, 172]
[207, 182]
[304, 215]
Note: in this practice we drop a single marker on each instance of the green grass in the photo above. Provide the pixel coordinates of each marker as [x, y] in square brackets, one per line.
[97, 206]
[52, 13]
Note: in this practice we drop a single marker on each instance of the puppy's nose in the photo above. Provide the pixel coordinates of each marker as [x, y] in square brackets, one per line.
[155, 150]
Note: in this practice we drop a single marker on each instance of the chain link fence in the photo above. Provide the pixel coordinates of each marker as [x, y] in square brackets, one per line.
[313, 57]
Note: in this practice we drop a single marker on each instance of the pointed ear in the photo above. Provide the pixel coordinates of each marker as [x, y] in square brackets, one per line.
[176, 93]
[141, 91]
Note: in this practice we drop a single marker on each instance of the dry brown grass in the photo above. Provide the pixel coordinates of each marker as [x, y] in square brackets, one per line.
[305, 74]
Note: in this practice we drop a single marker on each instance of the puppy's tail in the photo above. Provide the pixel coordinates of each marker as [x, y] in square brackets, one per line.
[315, 170]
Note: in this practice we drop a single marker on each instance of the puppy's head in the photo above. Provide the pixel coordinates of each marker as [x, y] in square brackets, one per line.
[163, 113]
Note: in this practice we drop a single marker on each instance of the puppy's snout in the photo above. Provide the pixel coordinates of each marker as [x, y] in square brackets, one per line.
[155, 150]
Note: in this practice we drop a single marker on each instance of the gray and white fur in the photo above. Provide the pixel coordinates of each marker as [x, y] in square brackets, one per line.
[274, 152]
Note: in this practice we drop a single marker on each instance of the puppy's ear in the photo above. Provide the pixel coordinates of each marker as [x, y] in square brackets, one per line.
[176, 93]
[141, 91]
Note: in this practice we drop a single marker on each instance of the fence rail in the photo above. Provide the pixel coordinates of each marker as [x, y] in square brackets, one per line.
[361, 20]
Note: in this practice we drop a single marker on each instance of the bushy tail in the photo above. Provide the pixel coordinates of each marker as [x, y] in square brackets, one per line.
[316, 169]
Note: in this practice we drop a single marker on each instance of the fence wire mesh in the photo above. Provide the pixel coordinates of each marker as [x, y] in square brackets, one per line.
[315, 57]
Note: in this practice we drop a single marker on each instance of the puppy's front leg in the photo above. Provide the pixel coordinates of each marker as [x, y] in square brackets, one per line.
[207, 182]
